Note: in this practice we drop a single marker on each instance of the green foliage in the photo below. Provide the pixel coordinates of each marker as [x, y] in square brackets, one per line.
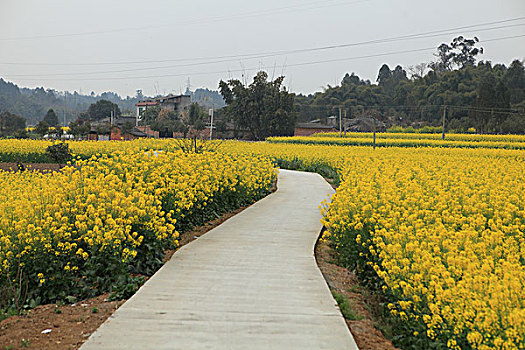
[323, 169]
[103, 109]
[32, 104]
[264, 108]
[79, 129]
[51, 118]
[389, 80]
[410, 130]
[21, 134]
[127, 127]
[191, 124]
[7, 312]
[469, 89]
[59, 152]
[42, 128]
[164, 121]
[345, 307]
[150, 115]
[196, 118]
[125, 287]
[206, 98]
[11, 123]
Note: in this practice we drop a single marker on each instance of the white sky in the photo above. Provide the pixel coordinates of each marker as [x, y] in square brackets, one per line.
[57, 33]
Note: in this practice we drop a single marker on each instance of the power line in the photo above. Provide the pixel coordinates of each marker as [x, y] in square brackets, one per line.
[496, 110]
[235, 59]
[278, 10]
[285, 52]
[270, 67]
[243, 69]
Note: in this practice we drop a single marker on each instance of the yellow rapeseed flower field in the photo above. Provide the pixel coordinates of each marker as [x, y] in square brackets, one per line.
[423, 136]
[441, 231]
[406, 140]
[74, 232]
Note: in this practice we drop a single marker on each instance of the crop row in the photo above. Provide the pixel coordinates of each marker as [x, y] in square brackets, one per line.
[394, 142]
[433, 136]
[440, 232]
[78, 231]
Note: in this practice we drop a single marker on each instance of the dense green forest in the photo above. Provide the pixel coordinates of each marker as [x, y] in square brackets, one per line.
[487, 97]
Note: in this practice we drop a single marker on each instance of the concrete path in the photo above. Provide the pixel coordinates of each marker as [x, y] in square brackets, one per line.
[250, 283]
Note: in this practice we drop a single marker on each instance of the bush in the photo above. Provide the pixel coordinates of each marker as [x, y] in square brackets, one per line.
[59, 153]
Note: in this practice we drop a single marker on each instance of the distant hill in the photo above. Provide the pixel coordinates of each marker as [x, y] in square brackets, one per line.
[206, 98]
[32, 104]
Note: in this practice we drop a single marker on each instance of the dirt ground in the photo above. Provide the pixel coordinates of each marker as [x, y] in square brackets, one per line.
[42, 167]
[70, 325]
[341, 280]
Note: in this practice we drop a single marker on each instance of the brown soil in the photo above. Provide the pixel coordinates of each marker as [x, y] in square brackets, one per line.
[70, 325]
[42, 167]
[74, 324]
[343, 281]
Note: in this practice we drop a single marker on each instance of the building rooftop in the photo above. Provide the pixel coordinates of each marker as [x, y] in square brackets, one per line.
[313, 126]
[146, 103]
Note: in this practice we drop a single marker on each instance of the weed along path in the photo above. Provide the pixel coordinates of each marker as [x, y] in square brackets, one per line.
[250, 283]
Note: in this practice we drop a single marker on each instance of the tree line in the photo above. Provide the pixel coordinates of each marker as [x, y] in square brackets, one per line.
[485, 96]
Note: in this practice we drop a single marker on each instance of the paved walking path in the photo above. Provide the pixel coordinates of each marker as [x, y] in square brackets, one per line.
[250, 283]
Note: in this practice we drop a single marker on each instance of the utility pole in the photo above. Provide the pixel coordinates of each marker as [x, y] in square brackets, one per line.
[374, 144]
[340, 124]
[344, 130]
[65, 107]
[492, 114]
[211, 121]
[443, 127]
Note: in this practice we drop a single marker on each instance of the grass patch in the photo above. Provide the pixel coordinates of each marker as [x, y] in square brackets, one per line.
[345, 307]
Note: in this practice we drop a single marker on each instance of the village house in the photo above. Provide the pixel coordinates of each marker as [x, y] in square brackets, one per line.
[176, 103]
[308, 129]
[120, 128]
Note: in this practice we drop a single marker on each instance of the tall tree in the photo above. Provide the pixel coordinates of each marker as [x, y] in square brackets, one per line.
[150, 115]
[465, 51]
[461, 52]
[51, 118]
[444, 59]
[164, 121]
[514, 79]
[103, 109]
[264, 108]
[11, 123]
[79, 129]
[384, 76]
[389, 79]
[485, 100]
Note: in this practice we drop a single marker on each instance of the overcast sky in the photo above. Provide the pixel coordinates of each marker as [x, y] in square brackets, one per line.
[156, 45]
